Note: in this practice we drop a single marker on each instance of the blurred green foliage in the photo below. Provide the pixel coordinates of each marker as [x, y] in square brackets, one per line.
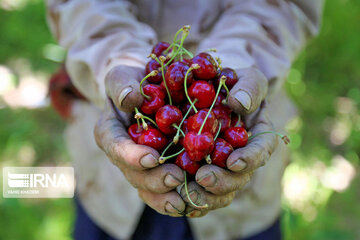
[326, 70]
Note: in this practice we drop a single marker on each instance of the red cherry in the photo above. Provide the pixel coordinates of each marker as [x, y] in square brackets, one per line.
[150, 66]
[159, 48]
[231, 78]
[187, 61]
[207, 65]
[223, 116]
[218, 103]
[153, 138]
[203, 92]
[198, 146]
[236, 136]
[196, 120]
[185, 163]
[222, 151]
[185, 130]
[175, 76]
[156, 101]
[185, 108]
[177, 96]
[166, 116]
[234, 121]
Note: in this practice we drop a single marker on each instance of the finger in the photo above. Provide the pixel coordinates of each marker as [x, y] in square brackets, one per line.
[161, 179]
[201, 197]
[258, 150]
[111, 136]
[248, 93]
[220, 181]
[192, 212]
[122, 86]
[167, 203]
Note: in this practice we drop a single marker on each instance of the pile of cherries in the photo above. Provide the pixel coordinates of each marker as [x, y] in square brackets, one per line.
[184, 114]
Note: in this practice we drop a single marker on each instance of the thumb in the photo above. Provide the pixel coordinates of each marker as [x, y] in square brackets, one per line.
[248, 93]
[122, 86]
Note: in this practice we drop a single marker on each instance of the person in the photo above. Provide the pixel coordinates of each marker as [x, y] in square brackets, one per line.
[108, 43]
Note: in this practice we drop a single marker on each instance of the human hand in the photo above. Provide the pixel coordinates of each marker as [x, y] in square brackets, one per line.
[138, 163]
[216, 186]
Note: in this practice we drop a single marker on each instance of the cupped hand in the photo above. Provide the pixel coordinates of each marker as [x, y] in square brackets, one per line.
[216, 186]
[138, 163]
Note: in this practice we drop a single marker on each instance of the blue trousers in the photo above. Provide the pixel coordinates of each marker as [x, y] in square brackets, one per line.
[154, 226]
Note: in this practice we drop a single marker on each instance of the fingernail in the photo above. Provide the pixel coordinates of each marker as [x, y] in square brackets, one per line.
[208, 180]
[238, 165]
[148, 161]
[194, 196]
[171, 181]
[169, 208]
[195, 213]
[124, 93]
[243, 98]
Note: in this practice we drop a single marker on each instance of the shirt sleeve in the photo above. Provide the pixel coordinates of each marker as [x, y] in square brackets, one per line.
[267, 34]
[98, 34]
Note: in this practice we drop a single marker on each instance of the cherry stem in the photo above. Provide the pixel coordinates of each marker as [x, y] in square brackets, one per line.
[218, 131]
[194, 66]
[150, 120]
[179, 129]
[163, 159]
[163, 153]
[208, 159]
[227, 93]
[138, 123]
[238, 121]
[141, 116]
[185, 32]
[162, 59]
[188, 196]
[284, 138]
[185, 51]
[151, 74]
[222, 83]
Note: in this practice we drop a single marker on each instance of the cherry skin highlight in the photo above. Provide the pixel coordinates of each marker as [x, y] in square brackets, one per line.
[207, 65]
[156, 101]
[153, 138]
[166, 116]
[204, 92]
[222, 151]
[236, 136]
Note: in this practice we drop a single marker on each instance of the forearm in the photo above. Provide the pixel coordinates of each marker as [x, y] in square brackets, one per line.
[98, 36]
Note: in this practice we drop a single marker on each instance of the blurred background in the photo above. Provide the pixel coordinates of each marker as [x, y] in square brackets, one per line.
[321, 185]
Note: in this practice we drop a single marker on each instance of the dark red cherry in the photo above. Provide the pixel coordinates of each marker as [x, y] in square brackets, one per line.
[187, 61]
[150, 66]
[153, 138]
[176, 96]
[159, 48]
[185, 130]
[135, 131]
[207, 65]
[196, 120]
[203, 92]
[223, 116]
[236, 136]
[198, 146]
[166, 116]
[185, 163]
[156, 101]
[185, 107]
[235, 121]
[222, 151]
[231, 78]
[218, 103]
[175, 76]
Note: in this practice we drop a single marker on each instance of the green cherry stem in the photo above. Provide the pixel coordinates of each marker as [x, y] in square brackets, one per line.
[163, 159]
[138, 123]
[163, 153]
[186, 51]
[222, 83]
[179, 129]
[218, 132]
[162, 60]
[188, 196]
[150, 120]
[151, 74]
[176, 138]
[185, 33]
[284, 138]
[238, 121]
[139, 115]
[193, 66]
